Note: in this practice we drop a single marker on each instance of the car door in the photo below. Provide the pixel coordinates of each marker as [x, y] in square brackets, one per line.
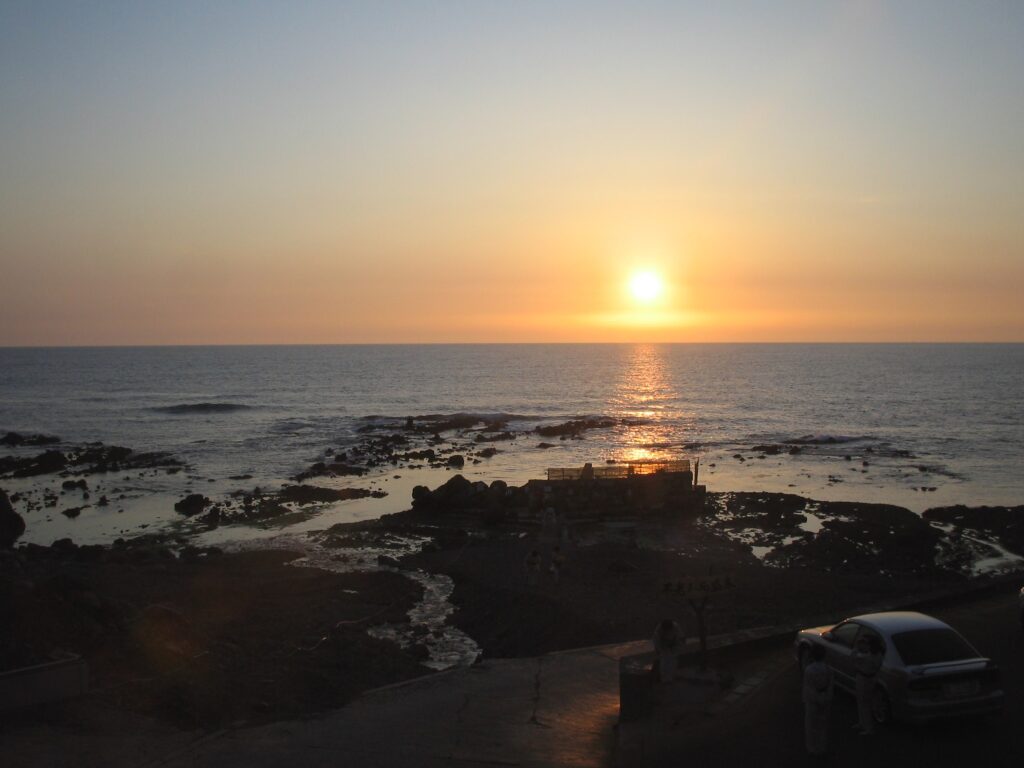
[840, 651]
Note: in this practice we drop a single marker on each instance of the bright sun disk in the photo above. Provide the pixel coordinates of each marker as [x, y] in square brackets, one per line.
[645, 286]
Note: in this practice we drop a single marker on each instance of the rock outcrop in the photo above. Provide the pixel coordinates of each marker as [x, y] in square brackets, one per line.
[12, 525]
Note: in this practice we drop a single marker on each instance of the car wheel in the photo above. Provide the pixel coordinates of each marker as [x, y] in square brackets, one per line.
[881, 707]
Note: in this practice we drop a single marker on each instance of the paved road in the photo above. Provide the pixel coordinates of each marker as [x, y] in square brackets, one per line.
[547, 712]
[767, 729]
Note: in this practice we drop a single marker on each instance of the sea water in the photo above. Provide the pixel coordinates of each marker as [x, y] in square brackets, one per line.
[917, 425]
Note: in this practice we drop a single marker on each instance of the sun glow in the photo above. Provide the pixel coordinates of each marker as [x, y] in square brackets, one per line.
[645, 287]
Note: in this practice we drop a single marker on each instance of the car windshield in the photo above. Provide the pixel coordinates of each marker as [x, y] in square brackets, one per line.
[932, 646]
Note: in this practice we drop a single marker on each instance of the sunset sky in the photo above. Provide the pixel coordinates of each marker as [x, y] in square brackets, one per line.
[217, 172]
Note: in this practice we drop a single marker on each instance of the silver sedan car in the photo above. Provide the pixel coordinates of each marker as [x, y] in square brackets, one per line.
[928, 669]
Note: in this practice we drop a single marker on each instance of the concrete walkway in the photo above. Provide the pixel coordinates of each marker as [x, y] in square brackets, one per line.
[554, 710]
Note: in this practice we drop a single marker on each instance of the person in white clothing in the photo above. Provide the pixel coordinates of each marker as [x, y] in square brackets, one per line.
[817, 698]
[867, 661]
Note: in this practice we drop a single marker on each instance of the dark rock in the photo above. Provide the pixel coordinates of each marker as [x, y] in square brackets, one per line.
[497, 493]
[72, 512]
[46, 463]
[545, 445]
[12, 525]
[456, 493]
[771, 450]
[14, 439]
[487, 453]
[1005, 524]
[420, 455]
[457, 487]
[70, 485]
[89, 458]
[322, 469]
[192, 504]
[345, 469]
[316, 469]
[64, 546]
[574, 427]
[311, 494]
[481, 438]
[91, 553]
[456, 461]
[435, 424]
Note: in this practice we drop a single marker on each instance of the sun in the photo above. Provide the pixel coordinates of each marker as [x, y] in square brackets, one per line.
[646, 286]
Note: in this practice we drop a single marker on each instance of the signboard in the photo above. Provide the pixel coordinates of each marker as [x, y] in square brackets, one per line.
[701, 586]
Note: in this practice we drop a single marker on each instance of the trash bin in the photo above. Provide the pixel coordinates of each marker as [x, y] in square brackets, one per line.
[636, 686]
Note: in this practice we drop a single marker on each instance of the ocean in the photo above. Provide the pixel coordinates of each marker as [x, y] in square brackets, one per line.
[918, 425]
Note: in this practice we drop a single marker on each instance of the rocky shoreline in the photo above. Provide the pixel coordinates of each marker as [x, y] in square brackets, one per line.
[789, 556]
[170, 627]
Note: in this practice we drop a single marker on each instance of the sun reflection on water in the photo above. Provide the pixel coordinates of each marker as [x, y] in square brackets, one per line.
[649, 406]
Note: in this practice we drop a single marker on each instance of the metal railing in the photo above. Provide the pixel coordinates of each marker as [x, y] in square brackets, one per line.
[621, 470]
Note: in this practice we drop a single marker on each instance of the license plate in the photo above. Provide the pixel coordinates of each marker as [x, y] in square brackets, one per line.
[961, 688]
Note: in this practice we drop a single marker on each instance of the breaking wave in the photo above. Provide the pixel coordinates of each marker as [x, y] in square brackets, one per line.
[186, 408]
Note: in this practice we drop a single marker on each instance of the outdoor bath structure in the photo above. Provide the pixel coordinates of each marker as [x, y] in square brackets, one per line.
[625, 490]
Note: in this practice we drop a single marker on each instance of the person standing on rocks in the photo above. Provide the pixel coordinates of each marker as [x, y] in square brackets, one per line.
[817, 698]
[668, 642]
[867, 660]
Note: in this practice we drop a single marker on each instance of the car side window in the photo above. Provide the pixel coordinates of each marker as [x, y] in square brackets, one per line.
[846, 633]
[872, 635]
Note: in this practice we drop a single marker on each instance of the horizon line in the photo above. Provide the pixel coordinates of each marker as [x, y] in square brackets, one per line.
[506, 344]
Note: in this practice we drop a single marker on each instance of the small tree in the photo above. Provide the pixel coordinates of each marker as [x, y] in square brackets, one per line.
[698, 591]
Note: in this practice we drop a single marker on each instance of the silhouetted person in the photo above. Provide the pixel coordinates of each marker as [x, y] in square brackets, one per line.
[532, 565]
[817, 698]
[867, 660]
[557, 562]
[668, 642]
